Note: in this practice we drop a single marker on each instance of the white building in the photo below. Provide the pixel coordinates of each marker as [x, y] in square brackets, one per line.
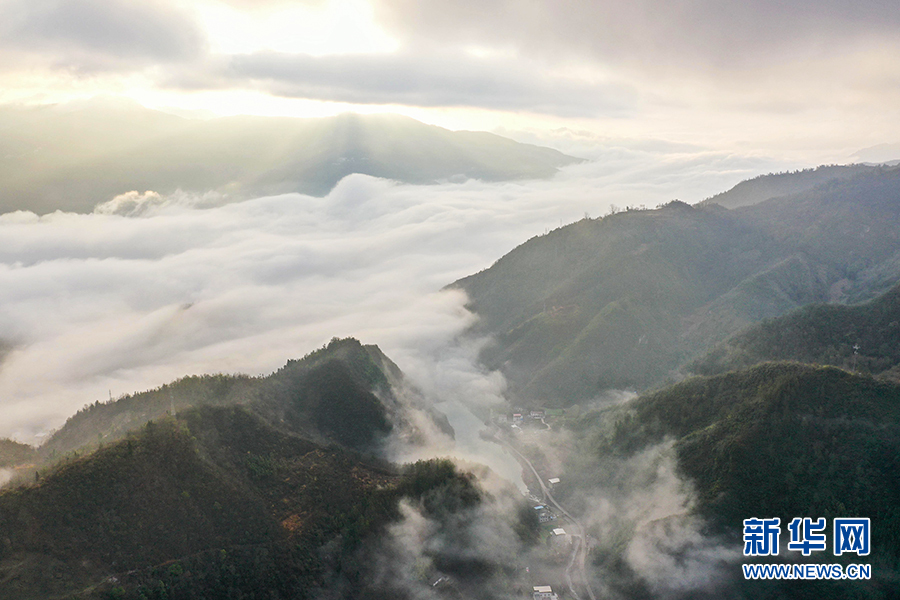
[560, 538]
[543, 592]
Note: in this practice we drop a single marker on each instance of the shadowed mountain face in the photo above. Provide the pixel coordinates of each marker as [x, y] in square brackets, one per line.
[863, 338]
[626, 300]
[344, 393]
[735, 429]
[74, 157]
[774, 185]
[216, 503]
[256, 489]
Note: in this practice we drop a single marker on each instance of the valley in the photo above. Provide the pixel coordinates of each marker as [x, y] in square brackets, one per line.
[405, 300]
[671, 372]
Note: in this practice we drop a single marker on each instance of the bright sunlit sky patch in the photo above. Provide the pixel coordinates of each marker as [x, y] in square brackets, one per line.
[315, 28]
[806, 81]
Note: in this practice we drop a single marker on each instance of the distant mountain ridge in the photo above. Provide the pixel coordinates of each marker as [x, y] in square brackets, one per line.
[73, 158]
[761, 188]
[626, 301]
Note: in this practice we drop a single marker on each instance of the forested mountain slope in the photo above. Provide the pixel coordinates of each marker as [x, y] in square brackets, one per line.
[863, 337]
[777, 440]
[345, 392]
[256, 488]
[626, 300]
[215, 503]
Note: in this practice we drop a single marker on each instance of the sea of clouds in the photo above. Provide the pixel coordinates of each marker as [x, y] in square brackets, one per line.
[150, 288]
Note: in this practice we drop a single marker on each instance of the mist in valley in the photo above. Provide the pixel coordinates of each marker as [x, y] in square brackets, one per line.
[149, 288]
[101, 304]
[412, 254]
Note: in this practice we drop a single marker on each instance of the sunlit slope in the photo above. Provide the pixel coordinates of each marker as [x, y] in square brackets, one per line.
[626, 300]
[74, 157]
[864, 337]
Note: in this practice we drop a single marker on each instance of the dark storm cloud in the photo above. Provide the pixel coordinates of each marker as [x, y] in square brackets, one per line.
[97, 35]
[402, 78]
[724, 33]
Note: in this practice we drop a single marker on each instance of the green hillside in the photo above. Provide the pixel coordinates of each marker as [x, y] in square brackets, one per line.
[864, 338]
[216, 503]
[782, 439]
[74, 157]
[778, 440]
[343, 393]
[15, 453]
[598, 304]
[256, 488]
[625, 301]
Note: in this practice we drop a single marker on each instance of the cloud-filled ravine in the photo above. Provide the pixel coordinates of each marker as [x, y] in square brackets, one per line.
[107, 304]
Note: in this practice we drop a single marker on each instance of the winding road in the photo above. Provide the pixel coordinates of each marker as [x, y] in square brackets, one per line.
[579, 554]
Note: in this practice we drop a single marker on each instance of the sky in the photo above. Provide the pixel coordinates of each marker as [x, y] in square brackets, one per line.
[666, 99]
[804, 81]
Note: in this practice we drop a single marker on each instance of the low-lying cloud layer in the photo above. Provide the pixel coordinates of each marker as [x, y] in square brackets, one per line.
[102, 303]
[645, 508]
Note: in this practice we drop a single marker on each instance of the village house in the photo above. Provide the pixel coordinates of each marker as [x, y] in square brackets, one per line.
[543, 592]
[559, 538]
[544, 514]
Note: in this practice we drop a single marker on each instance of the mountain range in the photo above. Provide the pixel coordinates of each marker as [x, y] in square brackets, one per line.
[73, 157]
[628, 300]
[787, 308]
[251, 487]
[763, 340]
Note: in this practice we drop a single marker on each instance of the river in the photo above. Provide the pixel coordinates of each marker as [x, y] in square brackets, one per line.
[471, 447]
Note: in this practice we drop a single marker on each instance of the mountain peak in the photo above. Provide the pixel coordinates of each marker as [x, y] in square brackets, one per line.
[93, 151]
